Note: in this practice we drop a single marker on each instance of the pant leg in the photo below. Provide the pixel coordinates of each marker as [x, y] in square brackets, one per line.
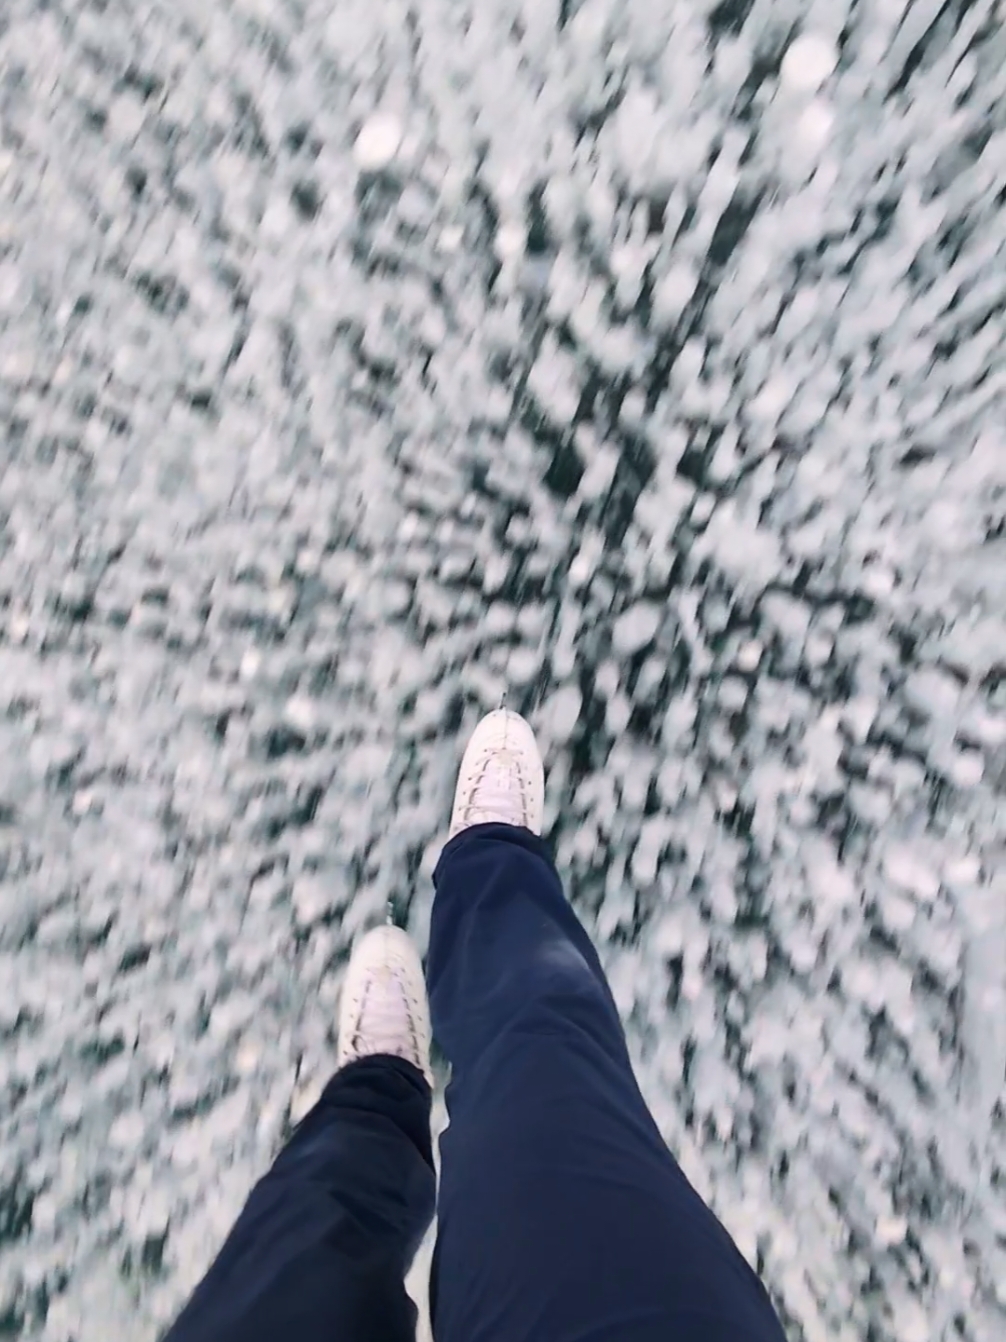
[562, 1214]
[321, 1249]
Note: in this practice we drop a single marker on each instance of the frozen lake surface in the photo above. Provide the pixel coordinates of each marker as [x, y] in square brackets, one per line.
[644, 357]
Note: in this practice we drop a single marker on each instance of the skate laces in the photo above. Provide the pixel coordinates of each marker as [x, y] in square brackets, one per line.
[386, 1024]
[497, 796]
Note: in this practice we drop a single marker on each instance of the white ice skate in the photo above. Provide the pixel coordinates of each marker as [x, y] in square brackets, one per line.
[502, 778]
[384, 1004]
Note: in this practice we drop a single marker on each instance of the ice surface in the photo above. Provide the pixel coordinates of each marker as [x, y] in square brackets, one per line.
[644, 360]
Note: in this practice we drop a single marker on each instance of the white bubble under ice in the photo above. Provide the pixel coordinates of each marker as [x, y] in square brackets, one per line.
[810, 59]
[378, 142]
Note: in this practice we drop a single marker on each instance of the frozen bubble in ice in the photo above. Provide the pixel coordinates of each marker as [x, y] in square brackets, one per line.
[248, 1058]
[44, 1211]
[965, 870]
[378, 142]
[523, 665]
[451, 238]
[808, 63]
[899, 914]
[908, 871]
[510, 240]
[814, 125]
[771, 400]
[127, 1131]
[636, 629]
[673, 291]
[250, 663]
[562, 712]
[581, 570]
[891, 1230]
[878, 582]
[311, 900]
[912, 1323]
[967, 769]
[749, 655]
[301, 714]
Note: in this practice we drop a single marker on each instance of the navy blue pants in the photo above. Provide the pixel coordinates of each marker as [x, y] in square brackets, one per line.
[563, 1217]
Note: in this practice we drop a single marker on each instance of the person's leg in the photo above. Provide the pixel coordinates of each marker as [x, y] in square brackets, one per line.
[562, 1214]
[321, 1249]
